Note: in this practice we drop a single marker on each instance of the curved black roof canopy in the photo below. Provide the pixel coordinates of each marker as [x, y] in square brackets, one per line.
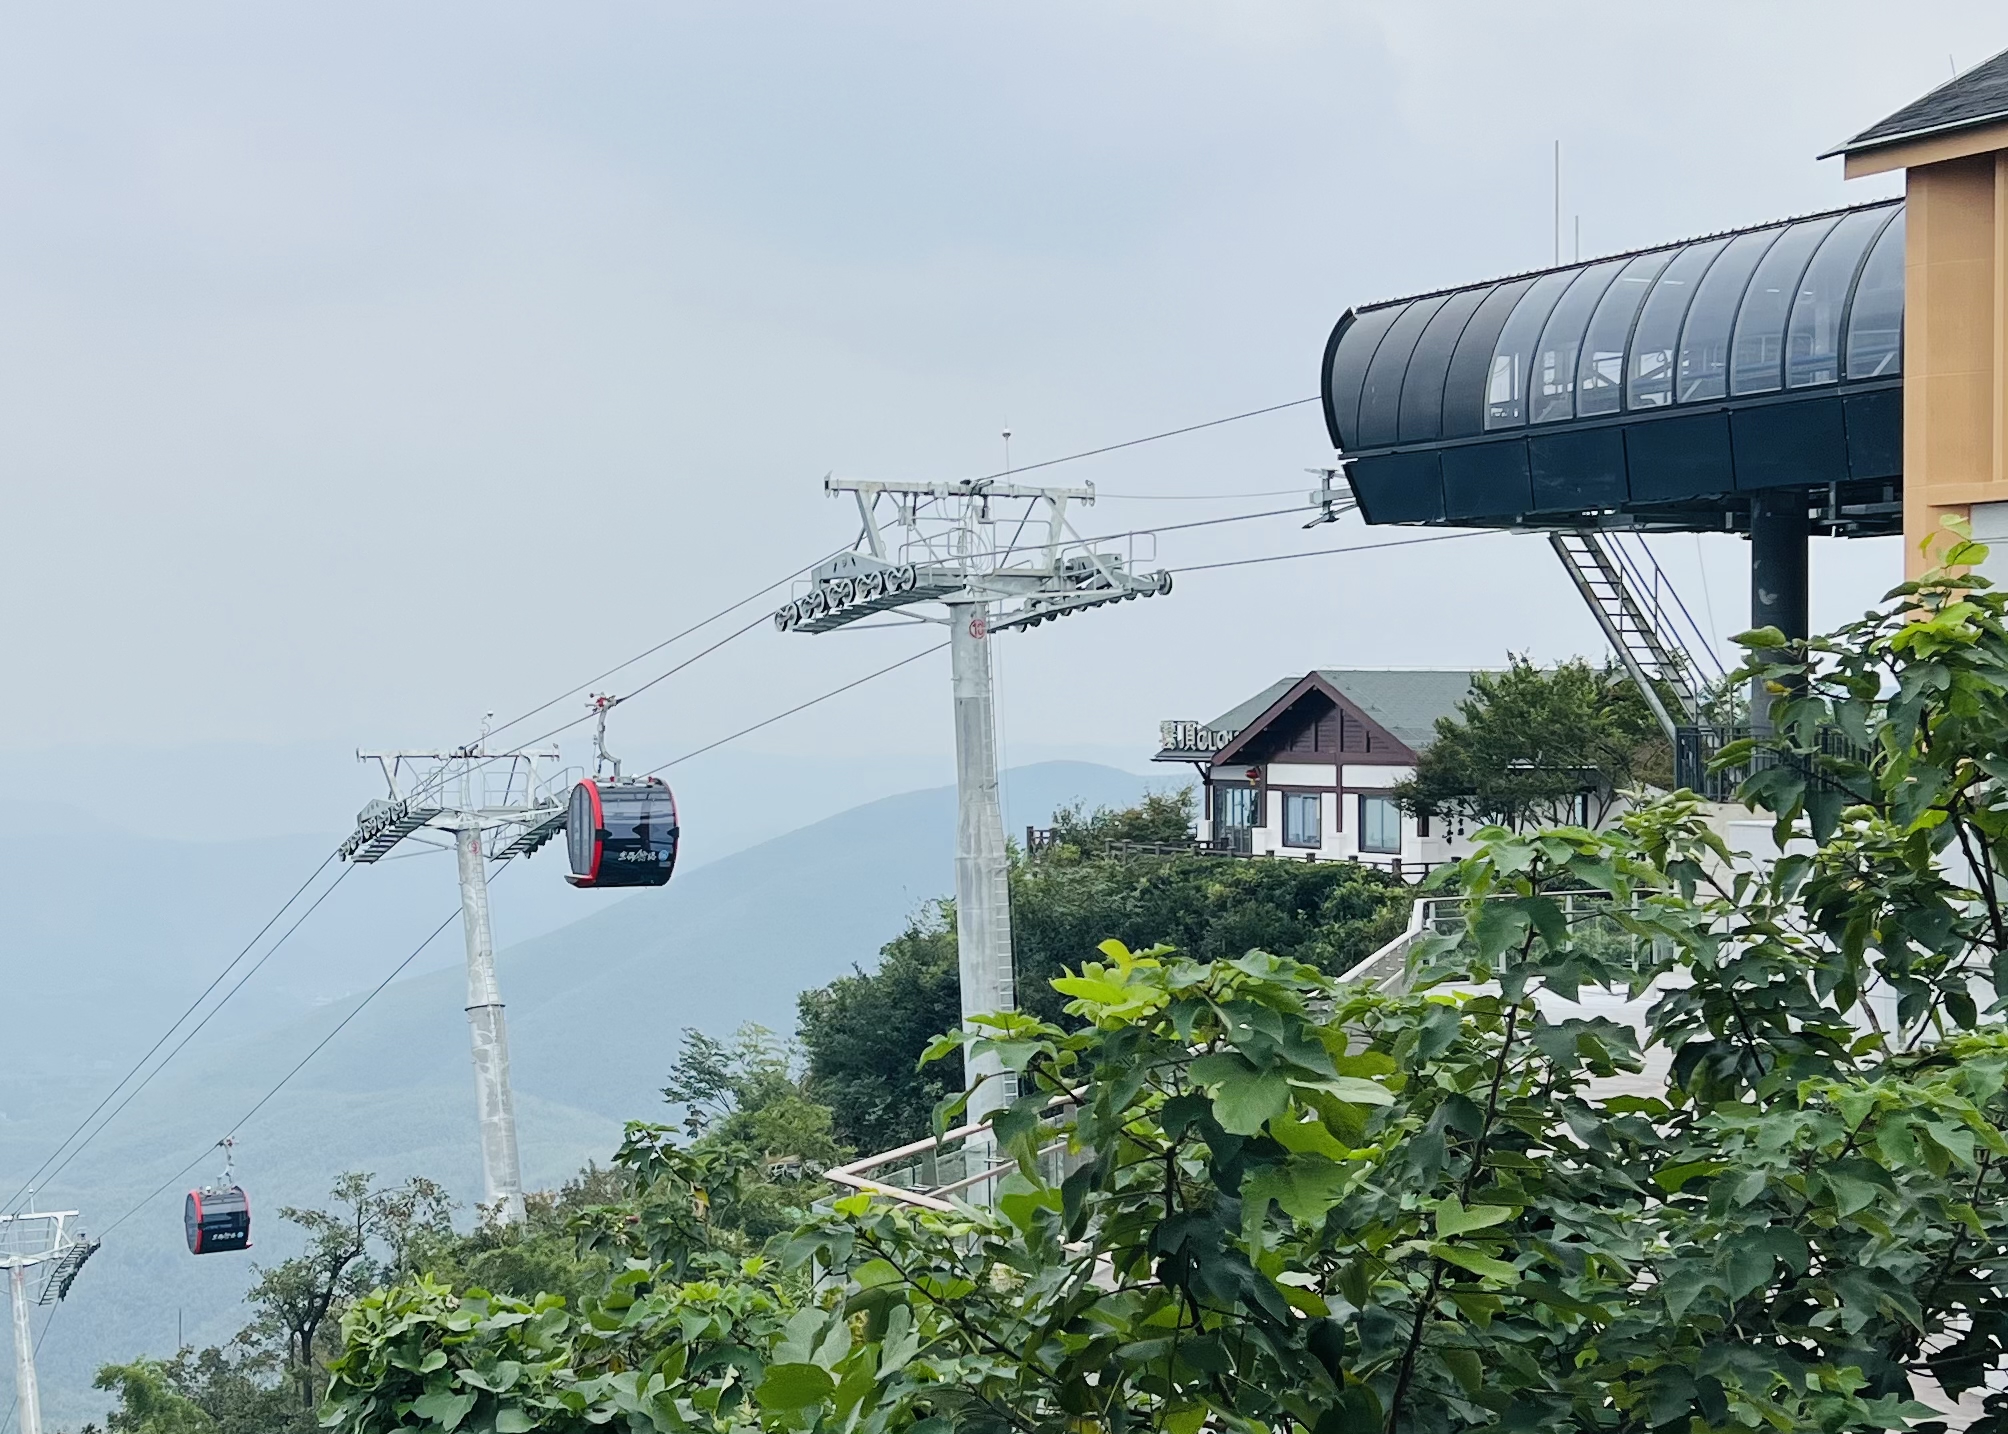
[1658, 388]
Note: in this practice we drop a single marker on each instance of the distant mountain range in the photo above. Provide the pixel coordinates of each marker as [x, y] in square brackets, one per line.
[105, 946]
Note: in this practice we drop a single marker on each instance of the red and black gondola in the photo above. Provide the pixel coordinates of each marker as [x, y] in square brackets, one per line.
[621, 833]
[217, 1218]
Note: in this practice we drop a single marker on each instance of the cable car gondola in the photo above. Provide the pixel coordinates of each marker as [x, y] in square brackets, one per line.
[619, 832]
[218, 1217]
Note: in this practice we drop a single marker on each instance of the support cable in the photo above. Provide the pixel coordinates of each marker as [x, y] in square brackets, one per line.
[1149, 438]
[1322, 552]
[137, 1065]
[1150, 532]
[592, 682]
[798, 707]
[594, 714]
[133, 1094]
[1106, 497]
[245, 1118]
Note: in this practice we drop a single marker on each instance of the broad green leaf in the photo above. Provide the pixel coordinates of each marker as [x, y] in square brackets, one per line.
[1750, 1266]
[794, 1386]
[1466, 1258]
[1088, 988]
[1465, 1367]
[1244, 1099]
[873, 1273]
[1351, 1089]
[1452, 1218]
[1673, 1177]
[443, 1408]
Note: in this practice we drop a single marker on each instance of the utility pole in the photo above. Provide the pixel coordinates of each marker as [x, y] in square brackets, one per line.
[496, 806]
[991, 557]
[32, 1241]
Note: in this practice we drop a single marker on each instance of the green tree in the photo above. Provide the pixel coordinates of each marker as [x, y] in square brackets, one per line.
[1529, 744]
[864, 1033]
[745, 1101]
[542, 1255]
[297, 1301]
[241, 1389]
[1161, 818]
[148, 1401]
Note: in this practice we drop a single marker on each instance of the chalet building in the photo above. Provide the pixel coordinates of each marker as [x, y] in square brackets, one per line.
[1303, 768]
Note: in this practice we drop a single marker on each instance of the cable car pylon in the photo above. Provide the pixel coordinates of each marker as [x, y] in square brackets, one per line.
[51, 1242]
[942, 545]
[495, 806]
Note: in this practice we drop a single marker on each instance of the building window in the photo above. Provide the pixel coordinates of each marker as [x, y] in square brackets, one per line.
[1236, 808]
[1300, 819]
[1380, 824]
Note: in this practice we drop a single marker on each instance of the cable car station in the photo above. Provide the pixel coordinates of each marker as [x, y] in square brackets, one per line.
[1843, 374]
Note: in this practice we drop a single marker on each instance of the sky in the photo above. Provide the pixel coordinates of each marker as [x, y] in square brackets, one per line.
[368, 368]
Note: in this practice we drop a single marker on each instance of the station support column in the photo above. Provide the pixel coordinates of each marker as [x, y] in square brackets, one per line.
[982, 865]
[1780, 542]
[501, 1168]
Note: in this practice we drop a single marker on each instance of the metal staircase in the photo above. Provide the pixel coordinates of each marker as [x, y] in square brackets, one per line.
[1631, 605]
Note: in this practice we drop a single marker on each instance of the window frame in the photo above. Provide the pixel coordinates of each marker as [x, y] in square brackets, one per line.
[1655, 315]
[1834, 247]
[1294, 802]
[1366, 830]
[1784, 264]
[1892, 362]
[1706, 325]
[1523, 326]
[1224, 797]
[1613, 306]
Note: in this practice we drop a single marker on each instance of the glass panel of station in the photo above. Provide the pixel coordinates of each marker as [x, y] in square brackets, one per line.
[1551, 379]
[1380, 399]
[1650, 383]
[1875, 319]
[1422, 389]
[1506, 381]
[1464, 386]
[1703, 370]
[1350, 357]
[1813, 338]
[1600, 370]
[1757, 352]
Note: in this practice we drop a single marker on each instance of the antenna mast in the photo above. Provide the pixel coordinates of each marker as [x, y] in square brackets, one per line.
[473, 794]
[994, 556]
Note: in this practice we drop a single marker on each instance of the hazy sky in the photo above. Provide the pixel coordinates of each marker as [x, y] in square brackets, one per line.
[366, 367]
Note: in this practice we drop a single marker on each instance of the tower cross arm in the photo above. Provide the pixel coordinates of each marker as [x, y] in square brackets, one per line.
[958, 488]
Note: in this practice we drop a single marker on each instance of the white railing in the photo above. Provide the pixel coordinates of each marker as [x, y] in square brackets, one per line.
[959, 1168]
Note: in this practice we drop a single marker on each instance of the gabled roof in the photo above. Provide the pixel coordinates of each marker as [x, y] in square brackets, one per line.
[1980, 96]
[1407, 703]
[1237, 717]
[1404, 703]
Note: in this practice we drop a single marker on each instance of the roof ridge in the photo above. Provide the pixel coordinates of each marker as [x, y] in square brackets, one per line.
[1632, 253]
